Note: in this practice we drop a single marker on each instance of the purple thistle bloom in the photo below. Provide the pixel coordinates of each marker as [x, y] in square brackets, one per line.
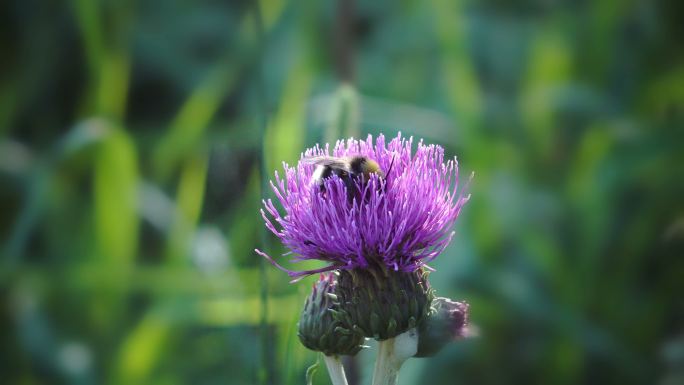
[403, 221]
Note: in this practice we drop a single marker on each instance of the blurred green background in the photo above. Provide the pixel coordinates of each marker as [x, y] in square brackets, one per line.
[137, 139]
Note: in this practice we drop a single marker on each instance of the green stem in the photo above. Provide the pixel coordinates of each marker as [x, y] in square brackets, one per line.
[335, 370]
[392, 353]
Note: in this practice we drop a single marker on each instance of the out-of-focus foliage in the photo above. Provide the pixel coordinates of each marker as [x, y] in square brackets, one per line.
[137, 139]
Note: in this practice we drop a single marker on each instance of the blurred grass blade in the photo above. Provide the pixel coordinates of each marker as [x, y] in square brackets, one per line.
[244, 230]
[116, 183]
[113, 85]
[345, 115]
[663, 93]
[107, 59]
[141, 349]
[89, 20]
[246, 310]
[188, 127]
[29, 215]
[461, 83]
[188, 206]
[270, 12]
[39, 174]
[284, 137]
[549, 70]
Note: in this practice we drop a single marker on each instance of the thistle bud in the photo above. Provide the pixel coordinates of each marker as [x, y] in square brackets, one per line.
[320, 326]
[446, 322]
[381, 303]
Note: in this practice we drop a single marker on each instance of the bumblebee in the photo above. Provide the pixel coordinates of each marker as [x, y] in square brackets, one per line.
[350, 169]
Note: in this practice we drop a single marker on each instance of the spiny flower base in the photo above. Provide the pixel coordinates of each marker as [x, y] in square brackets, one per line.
[382, 303]
[319, 330]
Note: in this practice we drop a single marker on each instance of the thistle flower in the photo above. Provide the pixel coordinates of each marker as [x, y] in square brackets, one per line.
[403, 220]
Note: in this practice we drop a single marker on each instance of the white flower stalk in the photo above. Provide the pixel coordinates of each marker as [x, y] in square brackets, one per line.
[335, 370]
[392, 354]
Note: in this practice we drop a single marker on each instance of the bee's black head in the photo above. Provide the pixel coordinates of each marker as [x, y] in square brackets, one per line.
[357, 164]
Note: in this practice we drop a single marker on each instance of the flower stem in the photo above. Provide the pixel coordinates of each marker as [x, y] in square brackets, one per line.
[335, 370]
[392, 353]
[386, 370]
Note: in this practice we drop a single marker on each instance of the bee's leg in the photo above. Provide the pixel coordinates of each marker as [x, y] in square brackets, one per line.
[351, 189]
[355, 191]
[367, 195]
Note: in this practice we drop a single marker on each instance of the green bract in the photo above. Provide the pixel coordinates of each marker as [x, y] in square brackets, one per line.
[319, 327]
[381, 303]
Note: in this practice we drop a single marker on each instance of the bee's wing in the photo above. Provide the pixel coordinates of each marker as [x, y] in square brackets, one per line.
[326, 161]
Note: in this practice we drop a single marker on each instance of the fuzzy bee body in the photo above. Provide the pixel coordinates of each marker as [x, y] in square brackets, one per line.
[349, 169]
